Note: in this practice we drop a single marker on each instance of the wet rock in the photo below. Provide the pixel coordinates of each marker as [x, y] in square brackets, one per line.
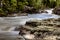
[56, 11]
[58, 38]
[57, 25]
[28, 9]
[42, 28]
[43, 11]
[29, 36]
[57, 32]
[34, 24]
[50, 38]
[17, 14]
[20, 37]
[22, 14]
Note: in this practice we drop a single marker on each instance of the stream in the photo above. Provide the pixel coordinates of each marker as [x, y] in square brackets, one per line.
[8, 24]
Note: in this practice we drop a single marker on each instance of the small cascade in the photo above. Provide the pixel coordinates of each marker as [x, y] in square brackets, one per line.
[49, 11]
[8, 24]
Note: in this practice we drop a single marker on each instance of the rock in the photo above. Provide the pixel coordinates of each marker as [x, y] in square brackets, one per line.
[20, 37]
[28, 9]
[41, 28]
[17, 14]
[57, 32]
[50, 38]
[29, 36]
[58, 38]
[22, 14]
[34, 24]
[56, 11]
[43, 11]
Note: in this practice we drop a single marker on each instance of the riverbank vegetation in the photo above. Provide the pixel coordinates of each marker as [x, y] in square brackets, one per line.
[18, 6]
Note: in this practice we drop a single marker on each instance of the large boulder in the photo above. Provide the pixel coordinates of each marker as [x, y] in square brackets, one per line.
[56, 11]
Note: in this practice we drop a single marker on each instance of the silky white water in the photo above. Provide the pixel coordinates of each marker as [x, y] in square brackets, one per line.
[8, 24]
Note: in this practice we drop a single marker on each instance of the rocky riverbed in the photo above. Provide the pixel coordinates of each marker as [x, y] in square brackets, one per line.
[47, 29]
[43, 26]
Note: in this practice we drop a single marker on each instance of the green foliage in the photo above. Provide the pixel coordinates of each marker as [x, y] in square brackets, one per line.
[2, 13]
[35, 3]
[10, 6]
[45, 2]
[52, 3]
[58, 3]
[49, 3]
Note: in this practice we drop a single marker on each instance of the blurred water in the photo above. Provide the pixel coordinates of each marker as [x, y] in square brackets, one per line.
[8, 24]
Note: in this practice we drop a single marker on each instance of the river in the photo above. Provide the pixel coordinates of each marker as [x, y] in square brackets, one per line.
[8, 24]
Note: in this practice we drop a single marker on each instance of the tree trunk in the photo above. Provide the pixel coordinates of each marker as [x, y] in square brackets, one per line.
[0, 3]
[17, 5]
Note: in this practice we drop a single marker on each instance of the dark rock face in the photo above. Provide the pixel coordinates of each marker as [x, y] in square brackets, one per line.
[56, 11]
[34, 24]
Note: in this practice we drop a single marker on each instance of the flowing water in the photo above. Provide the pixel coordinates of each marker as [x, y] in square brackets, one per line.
[8, 24]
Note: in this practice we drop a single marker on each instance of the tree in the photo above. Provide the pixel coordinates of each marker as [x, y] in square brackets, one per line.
[58, 3]
[53, 3]
[46, 2]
